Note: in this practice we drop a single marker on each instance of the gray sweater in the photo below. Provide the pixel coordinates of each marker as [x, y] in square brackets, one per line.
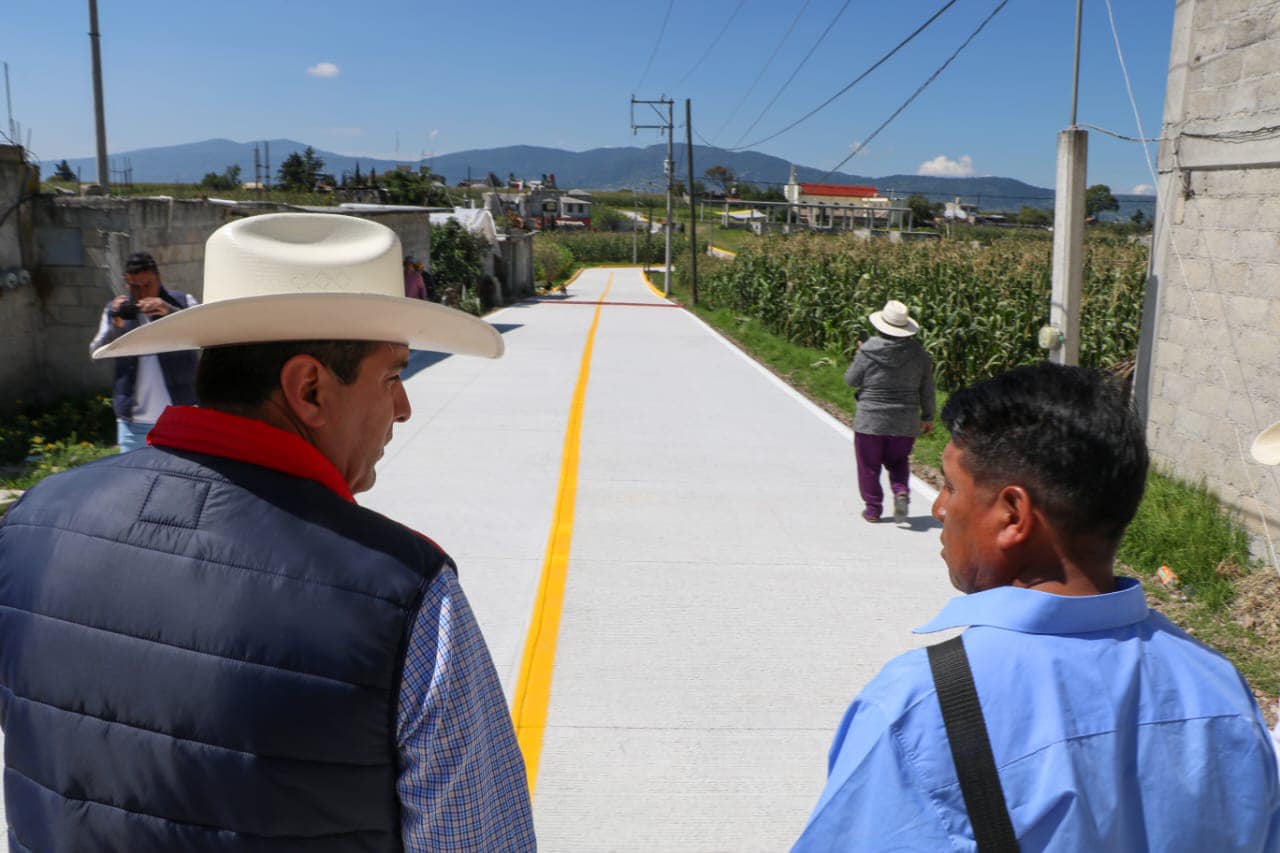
[894, 378]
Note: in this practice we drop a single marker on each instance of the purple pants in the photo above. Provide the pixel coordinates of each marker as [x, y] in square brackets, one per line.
[873, 451]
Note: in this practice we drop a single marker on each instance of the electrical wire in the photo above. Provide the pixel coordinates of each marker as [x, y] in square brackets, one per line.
[760, 76]
[714, 42]
[934, 76]
[812, 50]
[1191, 296]
[656, 44]
[854, 82]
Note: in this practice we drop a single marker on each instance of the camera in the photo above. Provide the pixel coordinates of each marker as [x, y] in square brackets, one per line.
[127, 310]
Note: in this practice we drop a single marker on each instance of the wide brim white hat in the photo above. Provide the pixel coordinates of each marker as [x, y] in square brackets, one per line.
[1266, 447]
[894, 320]
[307, 276]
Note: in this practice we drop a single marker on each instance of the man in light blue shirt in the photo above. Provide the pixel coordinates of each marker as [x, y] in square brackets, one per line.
[1111, 729]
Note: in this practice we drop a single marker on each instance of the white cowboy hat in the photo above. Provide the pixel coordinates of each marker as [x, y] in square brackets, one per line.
[307, 276]
[1266, 447]
[894, 321]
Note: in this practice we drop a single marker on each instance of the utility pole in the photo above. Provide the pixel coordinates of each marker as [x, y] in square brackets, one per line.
[1062, 336]
[635, 226]
[668, 166]
[104, 179]
[693, 217]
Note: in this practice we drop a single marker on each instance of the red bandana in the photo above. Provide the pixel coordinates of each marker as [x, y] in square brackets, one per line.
[246, 440]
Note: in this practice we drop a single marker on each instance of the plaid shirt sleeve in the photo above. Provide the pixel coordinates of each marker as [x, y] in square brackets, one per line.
[462, 783]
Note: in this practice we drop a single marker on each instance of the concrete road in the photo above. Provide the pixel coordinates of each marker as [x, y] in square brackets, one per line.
[713, 601]
[722, 599]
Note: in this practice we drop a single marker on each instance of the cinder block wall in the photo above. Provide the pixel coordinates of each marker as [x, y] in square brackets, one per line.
[1214, 364]
[81, 246]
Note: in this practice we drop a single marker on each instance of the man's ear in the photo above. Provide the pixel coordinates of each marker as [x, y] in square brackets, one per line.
[301, 381]
[1016, 514]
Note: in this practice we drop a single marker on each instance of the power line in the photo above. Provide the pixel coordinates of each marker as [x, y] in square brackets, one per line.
[656, 45]
[760, 76]
[714, 42]
[923, 86]
[778, 94]
[855, 81]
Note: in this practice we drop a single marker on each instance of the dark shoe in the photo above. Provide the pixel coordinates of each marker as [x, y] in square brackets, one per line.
[873, 519]
[900, 503]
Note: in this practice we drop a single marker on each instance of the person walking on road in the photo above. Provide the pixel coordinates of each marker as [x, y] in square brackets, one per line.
[206, 644]
[1088, 721]
[893, 376]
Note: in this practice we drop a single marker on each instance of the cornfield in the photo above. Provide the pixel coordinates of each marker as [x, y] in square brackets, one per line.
[980, 307]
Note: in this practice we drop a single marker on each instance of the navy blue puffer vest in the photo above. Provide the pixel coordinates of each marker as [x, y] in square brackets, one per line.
[201, 654]
[178, 368]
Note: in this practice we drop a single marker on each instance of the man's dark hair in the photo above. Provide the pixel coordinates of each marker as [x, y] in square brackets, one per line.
[1065, 434]
[140, 262]
[243, 376]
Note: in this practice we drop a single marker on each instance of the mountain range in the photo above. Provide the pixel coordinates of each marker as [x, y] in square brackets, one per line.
[596, 169]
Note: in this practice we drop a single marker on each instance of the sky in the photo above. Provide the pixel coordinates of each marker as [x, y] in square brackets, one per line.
[399, 79]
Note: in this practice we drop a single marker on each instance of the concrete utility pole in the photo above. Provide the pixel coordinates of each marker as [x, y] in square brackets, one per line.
[1062, 338]
[104, 177]
[693, 210]
[668, 166]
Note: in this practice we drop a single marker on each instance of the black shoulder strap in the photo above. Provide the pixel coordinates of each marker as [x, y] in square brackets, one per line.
[970, 747]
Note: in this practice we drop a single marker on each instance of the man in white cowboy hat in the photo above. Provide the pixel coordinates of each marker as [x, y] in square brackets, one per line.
[207, 644]
[896, 401]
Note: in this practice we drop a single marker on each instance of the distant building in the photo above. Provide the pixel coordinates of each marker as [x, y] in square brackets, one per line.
[832, 205]
[574, 208]
[960, 210]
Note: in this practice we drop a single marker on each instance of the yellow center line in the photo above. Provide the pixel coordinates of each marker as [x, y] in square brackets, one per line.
[533, 687]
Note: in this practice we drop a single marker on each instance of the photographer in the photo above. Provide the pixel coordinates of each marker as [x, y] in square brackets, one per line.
[145, 385]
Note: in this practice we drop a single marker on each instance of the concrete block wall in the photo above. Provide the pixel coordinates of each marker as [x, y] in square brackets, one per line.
[1215, 360]
[80, 248]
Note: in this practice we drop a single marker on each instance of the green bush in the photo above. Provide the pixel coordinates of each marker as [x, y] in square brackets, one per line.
[53, 457]
[86, 417]
[552, 260]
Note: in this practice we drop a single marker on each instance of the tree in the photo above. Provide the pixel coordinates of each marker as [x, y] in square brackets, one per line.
[1098, 198]
[1034, 216]
[62, 172]
[721, 175]
[1139, 218]
[228, 180]
[457, 259]
[415, 188]
[300, 172]
[921, 210]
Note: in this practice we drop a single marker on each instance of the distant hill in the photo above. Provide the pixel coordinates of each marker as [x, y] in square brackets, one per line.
[597, 169]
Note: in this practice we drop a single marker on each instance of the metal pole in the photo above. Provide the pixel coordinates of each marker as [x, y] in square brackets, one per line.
[635, 226]
[1075, 76]
[104, 178]
[693, 218]
[671, 175]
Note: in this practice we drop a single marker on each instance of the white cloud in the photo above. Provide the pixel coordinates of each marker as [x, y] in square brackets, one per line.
[944, 167]
[1143, 189]
[346, 131]
[323, 69]
[433, 134]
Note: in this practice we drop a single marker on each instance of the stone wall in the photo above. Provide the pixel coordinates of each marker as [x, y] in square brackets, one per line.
[1209, 368]
[80, 245]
